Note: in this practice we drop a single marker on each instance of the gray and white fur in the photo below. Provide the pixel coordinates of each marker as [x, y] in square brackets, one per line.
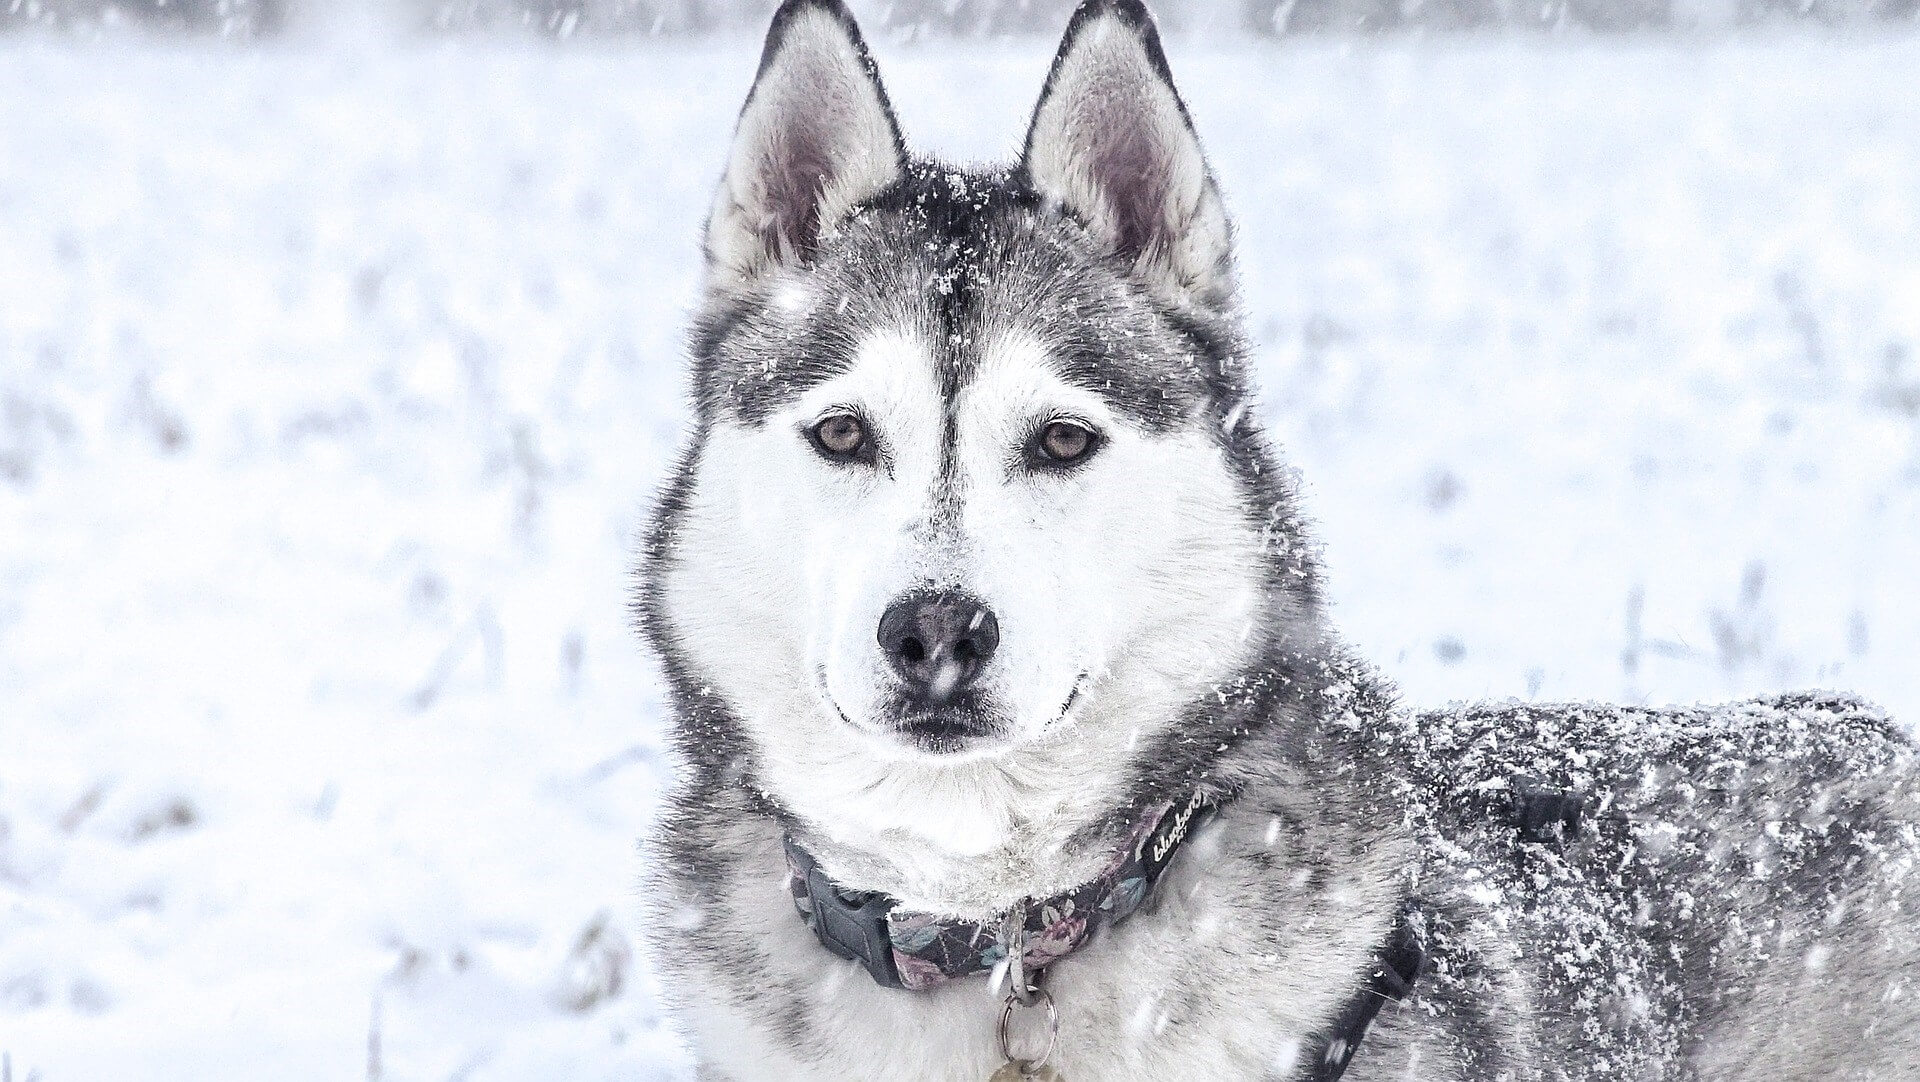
[976, 550]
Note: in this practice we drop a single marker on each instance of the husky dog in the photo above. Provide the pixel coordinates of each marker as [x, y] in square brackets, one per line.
[1015, 740]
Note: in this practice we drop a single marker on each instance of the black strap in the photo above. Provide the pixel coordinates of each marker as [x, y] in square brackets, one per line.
[1548, 814]
[1394, 973]
[1542, 813]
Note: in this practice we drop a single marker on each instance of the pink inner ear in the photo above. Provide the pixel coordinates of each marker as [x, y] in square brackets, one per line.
[796, 176]
[1130, 168]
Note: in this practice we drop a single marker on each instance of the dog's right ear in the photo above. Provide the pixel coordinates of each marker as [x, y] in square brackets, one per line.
[815, 138]
[1111, 143]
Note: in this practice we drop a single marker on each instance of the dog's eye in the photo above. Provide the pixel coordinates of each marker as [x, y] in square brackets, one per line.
[842, 437]
[1062, 443]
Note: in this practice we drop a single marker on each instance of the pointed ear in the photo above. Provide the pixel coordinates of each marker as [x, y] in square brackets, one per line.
[1111, 143]
[815, 138]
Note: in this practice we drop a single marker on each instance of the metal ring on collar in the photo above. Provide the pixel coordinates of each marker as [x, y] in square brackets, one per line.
[1013, 935]
[1018, 986]
[1053, 1031]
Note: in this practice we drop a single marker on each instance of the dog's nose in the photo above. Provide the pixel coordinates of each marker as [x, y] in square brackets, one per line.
[938, 642]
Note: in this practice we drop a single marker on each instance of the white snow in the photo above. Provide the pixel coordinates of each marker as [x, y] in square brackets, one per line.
[333, 383]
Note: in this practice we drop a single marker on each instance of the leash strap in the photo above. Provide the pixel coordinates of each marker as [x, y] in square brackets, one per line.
[1543, 814]
[1399, 966]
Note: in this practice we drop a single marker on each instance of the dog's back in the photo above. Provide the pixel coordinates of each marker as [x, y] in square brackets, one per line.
[1736, 888]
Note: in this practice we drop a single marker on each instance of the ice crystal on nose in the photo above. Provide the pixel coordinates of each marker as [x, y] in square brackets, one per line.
[946, 677]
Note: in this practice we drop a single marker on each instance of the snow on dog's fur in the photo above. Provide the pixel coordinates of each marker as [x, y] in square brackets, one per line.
[977, 550]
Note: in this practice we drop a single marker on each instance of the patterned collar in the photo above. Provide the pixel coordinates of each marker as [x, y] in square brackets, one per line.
[905, 949]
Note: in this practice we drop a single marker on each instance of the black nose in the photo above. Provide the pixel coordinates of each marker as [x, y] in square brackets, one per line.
[938, 642]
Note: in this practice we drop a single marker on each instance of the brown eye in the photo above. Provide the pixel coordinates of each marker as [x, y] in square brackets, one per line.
[1063, 442]
[842, 436]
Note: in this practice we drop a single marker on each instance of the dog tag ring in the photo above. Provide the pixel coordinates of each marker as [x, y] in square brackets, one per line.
[1015, 1072]
[1018, 1068]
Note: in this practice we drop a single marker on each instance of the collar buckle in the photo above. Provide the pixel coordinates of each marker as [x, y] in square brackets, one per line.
[853, 926]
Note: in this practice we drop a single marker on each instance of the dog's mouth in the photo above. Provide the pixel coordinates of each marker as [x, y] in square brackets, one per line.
[947, 730]
[965, 724]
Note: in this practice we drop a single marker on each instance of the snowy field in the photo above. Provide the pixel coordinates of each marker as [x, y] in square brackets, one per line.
[333, 383]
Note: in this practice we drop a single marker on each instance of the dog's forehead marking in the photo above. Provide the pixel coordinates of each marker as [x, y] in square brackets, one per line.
[962, 259]
[913, 390]
[1018, 382]
[952, 413]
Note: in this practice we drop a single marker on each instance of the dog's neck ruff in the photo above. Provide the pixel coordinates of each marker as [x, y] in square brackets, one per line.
[905, 949]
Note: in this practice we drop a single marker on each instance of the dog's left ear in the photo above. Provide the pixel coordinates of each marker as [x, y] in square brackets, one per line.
[815, 138]
[1111, 142]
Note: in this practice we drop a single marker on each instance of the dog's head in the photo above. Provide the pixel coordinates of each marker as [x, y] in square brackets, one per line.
[974, 490]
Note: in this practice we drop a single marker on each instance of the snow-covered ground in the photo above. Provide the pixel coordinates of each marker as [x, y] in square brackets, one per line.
[333, 382]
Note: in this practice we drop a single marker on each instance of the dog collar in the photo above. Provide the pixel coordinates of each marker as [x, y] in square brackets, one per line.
[905, 949]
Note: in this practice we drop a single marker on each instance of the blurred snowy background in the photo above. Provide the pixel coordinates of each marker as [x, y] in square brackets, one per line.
[938, 19]
[340, 348]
